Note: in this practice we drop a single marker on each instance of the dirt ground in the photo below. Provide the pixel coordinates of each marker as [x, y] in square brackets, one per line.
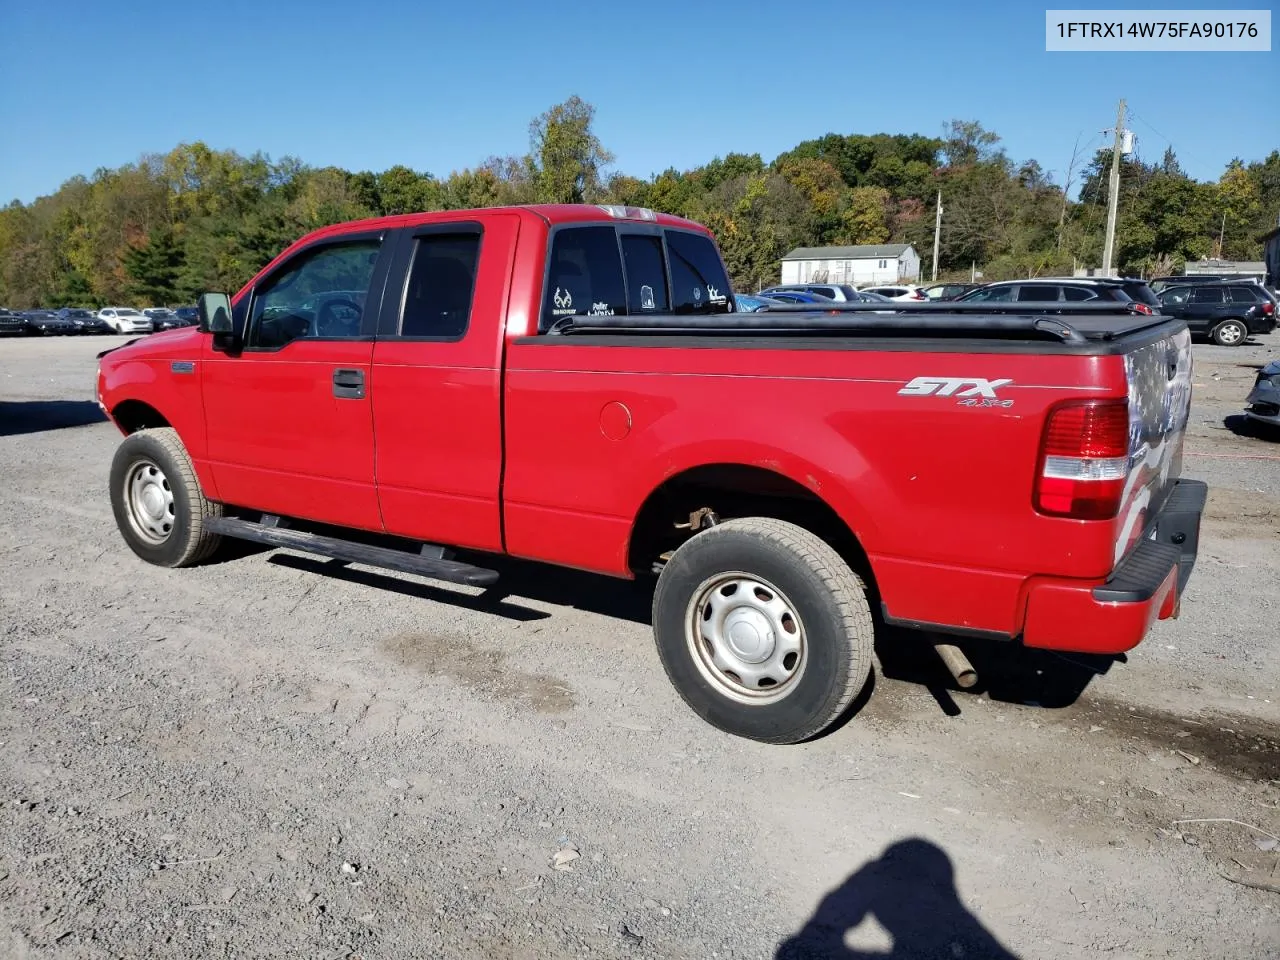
[274, 756]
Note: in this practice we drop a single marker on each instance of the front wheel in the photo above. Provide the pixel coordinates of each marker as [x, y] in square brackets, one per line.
[1230, 333]
[763, 629]
[156, 498]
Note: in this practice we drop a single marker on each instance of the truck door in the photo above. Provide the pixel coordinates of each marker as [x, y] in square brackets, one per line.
[288, 415]
[437, 374]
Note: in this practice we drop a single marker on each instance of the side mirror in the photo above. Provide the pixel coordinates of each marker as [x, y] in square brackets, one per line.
[215, 314]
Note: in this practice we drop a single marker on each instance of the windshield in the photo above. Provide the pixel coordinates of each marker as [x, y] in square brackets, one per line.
[127, 312]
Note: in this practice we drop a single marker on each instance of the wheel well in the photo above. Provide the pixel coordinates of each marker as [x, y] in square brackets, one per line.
[736, 490]
[134, 415]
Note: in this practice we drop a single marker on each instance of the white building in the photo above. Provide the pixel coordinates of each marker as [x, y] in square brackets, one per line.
[875, 264]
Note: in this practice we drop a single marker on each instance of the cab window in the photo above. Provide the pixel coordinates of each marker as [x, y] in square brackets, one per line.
[698, 280]
[441, 283]
[319, 295]
[585, 275]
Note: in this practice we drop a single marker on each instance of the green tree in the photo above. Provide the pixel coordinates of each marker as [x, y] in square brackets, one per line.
[567, 159]
[155, 268]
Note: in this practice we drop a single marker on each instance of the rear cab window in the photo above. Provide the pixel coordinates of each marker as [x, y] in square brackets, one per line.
[608, 270]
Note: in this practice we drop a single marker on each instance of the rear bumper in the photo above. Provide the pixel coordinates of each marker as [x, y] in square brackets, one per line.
[1114, 616]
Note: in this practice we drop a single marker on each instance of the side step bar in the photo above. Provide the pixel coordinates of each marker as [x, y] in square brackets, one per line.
[434, 568]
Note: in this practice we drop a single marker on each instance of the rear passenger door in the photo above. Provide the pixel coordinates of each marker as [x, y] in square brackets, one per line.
[1205, 307]
[437, 378]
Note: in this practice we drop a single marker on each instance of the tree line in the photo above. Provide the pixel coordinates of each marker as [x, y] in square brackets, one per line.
[169, 227]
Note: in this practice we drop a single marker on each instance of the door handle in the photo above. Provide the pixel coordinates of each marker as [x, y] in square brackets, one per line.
[348, 384]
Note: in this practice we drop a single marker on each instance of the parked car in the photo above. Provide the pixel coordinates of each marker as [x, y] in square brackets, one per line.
[1066, 290]
[86, 321]
[1264, 399]
[947, 291]
[746, 303]
[1225, 312]
[162, 319]
[1160, 284]
[751, 476]
[46, 323]
[798, 296]
[189, 315]
[897, 291]
[839, 292]
[125, 320]
[11, 324]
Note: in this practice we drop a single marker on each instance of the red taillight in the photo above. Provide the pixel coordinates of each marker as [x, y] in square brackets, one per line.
[1084, 460]
[1268, 308]
[1142, 308]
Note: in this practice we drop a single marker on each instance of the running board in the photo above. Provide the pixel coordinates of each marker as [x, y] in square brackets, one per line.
[435, 568]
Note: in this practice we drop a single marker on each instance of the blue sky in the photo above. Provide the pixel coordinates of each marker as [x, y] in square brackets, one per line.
[440, 86]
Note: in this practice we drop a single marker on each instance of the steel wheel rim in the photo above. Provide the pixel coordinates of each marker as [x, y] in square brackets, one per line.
[1231, 334]
[746, 638]
[148, 498]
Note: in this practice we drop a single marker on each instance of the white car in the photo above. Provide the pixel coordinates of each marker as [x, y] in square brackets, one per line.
[898, 291]
[125, 320]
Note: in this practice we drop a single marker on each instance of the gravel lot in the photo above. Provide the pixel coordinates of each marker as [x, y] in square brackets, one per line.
[275, 756]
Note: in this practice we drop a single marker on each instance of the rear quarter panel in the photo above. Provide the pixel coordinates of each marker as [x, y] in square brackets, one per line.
[923, 481]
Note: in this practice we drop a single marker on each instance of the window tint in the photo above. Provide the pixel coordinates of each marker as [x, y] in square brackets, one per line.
[994, 294]
[1037, 293]
[1078, 294]
[1206, 295]
[585, 275]
[698, 281]
[1141, 293]
[1243, 295]
[646, 274]
[320, 293]
[823, 291]
[437, 297]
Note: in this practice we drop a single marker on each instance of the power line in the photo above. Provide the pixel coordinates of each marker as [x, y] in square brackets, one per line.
[1151, 128]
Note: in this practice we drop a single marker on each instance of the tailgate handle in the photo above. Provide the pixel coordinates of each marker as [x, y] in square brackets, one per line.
[348, 384]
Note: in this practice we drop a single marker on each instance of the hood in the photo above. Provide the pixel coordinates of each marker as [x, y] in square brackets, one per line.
[157, 345]
[1271, 369]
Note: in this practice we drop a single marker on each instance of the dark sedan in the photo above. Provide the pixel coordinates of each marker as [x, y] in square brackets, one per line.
[190, 315]
[162, 319]
[11, 324]
[46, 323]
[86, 321]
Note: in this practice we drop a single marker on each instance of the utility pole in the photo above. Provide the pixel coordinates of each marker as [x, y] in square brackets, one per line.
[1113, 199]
[937, 235]
[1222, 234]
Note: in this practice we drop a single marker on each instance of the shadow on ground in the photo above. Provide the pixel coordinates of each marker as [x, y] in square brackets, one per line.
[910, 891]
[36, 416]
[1243, 426]
[1007, 671]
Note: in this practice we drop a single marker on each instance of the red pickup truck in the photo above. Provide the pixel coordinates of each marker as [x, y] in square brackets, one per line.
[572, 384]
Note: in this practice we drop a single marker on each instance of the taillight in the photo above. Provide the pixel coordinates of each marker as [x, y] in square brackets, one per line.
[1143, 309]
[1084, 460]
[1268, 308]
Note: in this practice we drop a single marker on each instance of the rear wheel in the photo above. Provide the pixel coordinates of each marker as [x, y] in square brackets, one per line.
[1230, 333]
[157, 502]
[763, 629]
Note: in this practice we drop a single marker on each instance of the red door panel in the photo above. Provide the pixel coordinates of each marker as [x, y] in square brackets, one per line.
[281, 442]
[437, 405]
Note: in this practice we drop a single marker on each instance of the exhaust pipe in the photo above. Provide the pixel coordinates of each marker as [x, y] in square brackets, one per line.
[957, 664]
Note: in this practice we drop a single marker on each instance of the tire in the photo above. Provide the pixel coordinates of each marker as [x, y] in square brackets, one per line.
[158, 505]
[1230, 333]
[791, 574]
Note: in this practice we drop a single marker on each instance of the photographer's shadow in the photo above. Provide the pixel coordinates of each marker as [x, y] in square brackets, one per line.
[911, 893]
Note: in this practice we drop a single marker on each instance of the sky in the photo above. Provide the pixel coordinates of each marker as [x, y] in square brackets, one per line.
[441, 86]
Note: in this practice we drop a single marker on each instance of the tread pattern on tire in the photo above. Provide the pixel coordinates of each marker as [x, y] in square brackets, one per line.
[848, 592]
[201, 544]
